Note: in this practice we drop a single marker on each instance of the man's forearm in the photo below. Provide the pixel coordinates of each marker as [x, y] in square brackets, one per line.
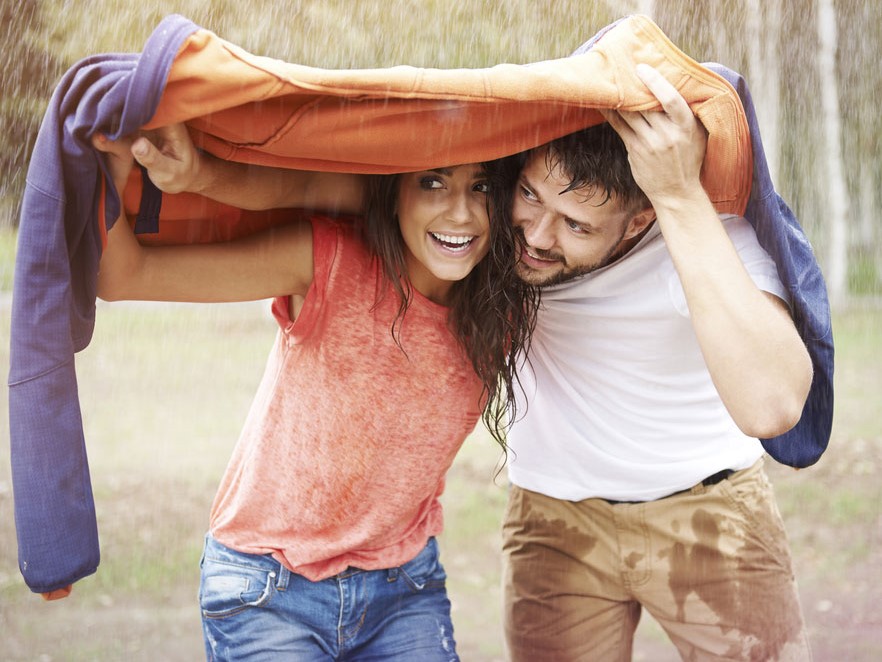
[755, 356]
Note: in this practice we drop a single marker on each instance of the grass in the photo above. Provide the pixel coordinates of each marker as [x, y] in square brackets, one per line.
[164, 390]
[7, 258]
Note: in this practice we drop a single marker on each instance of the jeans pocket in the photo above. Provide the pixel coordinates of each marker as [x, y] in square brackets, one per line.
[425, 572]
[227, 589]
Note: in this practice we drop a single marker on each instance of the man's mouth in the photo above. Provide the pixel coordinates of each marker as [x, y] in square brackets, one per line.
[453, 243]
[535, 259]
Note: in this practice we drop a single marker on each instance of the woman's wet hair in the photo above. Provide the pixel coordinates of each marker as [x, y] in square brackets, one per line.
[492, 312]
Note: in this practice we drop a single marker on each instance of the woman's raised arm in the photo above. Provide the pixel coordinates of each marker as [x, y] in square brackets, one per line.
[275, 262]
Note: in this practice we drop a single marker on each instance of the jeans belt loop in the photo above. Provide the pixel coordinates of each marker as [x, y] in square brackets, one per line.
[283, 578]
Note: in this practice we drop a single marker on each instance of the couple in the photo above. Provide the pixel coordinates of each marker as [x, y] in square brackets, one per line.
[662, 350]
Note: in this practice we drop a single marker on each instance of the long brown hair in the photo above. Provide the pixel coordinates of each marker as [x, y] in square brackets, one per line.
[492, 311]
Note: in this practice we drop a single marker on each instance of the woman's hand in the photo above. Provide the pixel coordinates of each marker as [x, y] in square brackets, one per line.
[119, 158]
[169, 155]
[171, 159]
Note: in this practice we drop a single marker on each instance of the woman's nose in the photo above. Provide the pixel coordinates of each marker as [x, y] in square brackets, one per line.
[460, 209]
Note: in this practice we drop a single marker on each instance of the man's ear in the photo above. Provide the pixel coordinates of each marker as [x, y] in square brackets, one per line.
[639, 222]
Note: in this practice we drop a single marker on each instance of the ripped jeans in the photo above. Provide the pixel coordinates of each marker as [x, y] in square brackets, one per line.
[254, 608]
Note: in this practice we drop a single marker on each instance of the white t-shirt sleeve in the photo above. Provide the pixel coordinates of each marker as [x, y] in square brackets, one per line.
[759, 264]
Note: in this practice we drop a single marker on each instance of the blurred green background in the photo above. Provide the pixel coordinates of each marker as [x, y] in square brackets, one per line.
[812, 66]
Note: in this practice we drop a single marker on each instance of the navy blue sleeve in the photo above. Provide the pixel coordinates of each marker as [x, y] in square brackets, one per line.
[781, 235]
[53, 305]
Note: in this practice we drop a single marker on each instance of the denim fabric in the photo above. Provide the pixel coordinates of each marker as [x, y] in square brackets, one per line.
[53, 303]
[253, 608]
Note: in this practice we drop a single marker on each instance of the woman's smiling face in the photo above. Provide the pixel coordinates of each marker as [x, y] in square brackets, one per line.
[443, 218]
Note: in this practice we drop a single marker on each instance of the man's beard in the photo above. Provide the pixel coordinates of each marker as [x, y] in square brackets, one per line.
[568, 273]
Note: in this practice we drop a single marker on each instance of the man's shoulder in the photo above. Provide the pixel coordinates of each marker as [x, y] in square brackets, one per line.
[737, 225]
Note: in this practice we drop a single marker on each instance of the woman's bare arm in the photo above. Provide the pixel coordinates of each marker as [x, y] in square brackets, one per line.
[275, 262]
[175, 165]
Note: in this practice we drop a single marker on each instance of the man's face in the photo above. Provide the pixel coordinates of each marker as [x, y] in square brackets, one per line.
[566, 235]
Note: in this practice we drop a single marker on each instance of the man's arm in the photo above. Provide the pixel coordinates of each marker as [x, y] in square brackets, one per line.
[275, 262]
[175, 165]
[755, 356]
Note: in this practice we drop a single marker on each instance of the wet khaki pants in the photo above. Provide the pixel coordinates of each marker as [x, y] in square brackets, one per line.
[710, 564]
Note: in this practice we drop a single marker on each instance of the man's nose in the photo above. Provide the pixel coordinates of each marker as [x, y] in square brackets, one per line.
[537, 231]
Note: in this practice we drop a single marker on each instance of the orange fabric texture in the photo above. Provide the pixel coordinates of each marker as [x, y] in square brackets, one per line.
[57, 594]
[342, 458]
[254, 109]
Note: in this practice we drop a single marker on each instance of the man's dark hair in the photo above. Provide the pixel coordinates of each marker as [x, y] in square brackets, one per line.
[596, 160]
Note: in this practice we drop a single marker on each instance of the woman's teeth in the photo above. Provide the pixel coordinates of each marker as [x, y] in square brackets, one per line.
[452, 242]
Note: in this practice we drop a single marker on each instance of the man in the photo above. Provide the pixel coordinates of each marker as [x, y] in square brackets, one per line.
[663, 350]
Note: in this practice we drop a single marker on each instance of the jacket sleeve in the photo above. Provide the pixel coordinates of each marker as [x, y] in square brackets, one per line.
[781, 235]
[53, 309]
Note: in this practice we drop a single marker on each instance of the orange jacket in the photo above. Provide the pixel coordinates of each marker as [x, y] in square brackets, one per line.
[259, 110]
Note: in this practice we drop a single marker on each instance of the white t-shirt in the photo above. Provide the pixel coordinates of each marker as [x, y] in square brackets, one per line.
[619, 401]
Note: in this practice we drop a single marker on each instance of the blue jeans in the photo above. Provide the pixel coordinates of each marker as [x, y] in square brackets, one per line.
[254, 608]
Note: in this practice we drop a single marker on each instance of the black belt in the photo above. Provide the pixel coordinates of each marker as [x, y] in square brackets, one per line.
[718, 477]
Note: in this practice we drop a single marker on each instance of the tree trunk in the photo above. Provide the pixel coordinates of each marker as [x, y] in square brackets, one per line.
[764, 30]
[837, 205]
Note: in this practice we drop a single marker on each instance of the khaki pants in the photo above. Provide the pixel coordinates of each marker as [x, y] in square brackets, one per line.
[710, 564]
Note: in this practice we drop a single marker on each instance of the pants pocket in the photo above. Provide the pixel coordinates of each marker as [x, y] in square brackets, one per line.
[425, 572]
[230, 588]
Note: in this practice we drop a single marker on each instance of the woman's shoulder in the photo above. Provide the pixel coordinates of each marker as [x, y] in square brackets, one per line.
[347, 229]
[338, 245]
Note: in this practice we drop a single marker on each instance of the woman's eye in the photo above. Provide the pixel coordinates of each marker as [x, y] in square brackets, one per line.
[482, 187]
[430, 183]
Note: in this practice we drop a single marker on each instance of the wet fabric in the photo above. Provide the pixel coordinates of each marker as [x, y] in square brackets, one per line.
[259, 110]
[711, 565]
[53, 305]
[617, 399]
[781, 235]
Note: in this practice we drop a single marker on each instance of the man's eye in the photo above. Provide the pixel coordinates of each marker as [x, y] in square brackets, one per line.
[575, 227]
[430, 183]
[527, 193]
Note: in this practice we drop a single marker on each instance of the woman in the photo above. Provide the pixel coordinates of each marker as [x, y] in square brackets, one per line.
[397, 332]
